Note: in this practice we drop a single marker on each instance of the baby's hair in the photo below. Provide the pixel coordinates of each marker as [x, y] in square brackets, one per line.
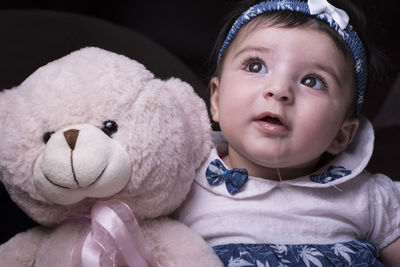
[377, 70]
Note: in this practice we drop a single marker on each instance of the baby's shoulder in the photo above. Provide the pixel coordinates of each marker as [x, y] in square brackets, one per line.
[380, 186]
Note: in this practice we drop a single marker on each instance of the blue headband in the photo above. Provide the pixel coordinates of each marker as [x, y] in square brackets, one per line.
[336, 18]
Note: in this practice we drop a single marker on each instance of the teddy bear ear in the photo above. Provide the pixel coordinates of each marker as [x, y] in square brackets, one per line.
[195, 109]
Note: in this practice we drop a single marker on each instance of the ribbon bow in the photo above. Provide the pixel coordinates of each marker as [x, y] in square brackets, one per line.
[323, 7]
[114, 239]
[234, 178]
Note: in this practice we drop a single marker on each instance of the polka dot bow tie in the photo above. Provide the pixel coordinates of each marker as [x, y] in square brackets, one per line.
[234, 178]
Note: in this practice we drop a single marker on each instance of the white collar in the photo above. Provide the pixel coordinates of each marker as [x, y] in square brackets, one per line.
[354, 158]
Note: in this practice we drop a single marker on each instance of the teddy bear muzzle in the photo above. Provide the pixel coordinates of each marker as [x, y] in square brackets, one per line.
[80, 162]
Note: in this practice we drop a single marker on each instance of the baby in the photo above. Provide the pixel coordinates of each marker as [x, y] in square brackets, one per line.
[286, 183]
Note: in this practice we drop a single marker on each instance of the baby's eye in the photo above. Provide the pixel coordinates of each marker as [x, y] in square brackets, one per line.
[314, 82]
[256, 67]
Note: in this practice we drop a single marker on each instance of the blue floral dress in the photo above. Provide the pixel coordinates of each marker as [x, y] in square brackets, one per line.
[354, 253]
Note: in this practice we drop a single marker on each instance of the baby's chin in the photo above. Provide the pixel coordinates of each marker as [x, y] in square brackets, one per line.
[264, 164]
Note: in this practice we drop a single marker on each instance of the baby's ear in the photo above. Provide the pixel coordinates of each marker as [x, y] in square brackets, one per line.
[344, 136]
[214, 98]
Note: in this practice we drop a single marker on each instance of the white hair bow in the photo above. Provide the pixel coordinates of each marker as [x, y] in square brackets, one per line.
[323, 7]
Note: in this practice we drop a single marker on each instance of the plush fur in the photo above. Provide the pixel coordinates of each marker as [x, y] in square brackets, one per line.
[97, 125]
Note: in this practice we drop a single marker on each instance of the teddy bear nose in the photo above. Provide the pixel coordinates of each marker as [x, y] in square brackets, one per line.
[71, 136]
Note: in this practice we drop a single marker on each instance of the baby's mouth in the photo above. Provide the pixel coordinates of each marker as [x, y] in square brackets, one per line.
[271, 123]
[272, 120]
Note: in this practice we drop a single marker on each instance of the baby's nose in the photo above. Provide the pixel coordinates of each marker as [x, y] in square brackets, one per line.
[281, 92]
[281, 97]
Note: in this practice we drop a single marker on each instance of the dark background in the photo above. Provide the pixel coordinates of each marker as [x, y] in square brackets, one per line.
[187, 29]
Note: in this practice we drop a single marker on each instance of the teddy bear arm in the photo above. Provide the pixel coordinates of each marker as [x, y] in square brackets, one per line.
[21, 250]
[174, 244]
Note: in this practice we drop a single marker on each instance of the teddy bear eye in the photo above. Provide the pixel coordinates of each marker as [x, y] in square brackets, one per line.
[46, 136]
[109, 127]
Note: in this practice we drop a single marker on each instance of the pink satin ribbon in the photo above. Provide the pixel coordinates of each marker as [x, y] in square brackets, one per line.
[114, 239]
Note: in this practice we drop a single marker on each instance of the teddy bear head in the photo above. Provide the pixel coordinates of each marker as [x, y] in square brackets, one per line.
[97, 125]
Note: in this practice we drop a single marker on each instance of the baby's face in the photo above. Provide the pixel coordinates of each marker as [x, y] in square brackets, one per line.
[282, 98]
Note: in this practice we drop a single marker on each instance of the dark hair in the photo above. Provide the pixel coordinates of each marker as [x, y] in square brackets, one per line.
[377, 62]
